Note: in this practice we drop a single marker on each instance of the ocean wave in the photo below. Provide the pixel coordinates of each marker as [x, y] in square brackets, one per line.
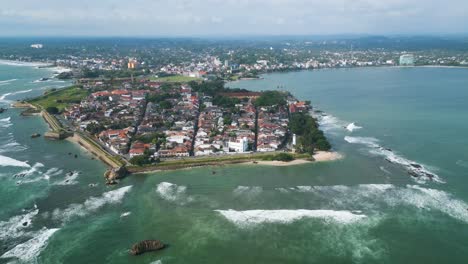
[351, 127]
[418, 171]
[2, 98]
[329, 123]
[173, 192]
[5, 122]
[23, 63]
[29, 250]
[254, 217]
[9, 162]
[8, 81]
[247, 191]
[70, 177]
[15, 226]
[92, 204]
[374, 197]
[125, 214]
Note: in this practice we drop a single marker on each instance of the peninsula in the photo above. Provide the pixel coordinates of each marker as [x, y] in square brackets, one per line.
[144, 125]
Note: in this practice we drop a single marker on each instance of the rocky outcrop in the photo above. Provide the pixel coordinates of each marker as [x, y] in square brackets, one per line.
[113, 175]
[146, 246]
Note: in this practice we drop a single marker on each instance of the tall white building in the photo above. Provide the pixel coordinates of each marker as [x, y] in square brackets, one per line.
[239, 145]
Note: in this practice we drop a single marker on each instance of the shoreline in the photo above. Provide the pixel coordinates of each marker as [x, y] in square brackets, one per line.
[320, 156]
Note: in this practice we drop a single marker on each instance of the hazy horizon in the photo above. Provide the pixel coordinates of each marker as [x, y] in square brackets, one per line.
[216, 18]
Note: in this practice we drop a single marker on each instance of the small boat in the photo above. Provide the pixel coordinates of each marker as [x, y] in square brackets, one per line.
[35, 135]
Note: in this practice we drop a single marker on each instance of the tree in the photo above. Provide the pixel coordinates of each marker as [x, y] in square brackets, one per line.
[52, 110]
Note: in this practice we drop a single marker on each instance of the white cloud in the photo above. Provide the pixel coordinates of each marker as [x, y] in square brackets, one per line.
[183, 17]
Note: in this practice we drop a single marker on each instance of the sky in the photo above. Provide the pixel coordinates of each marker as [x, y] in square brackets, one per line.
[230, 17]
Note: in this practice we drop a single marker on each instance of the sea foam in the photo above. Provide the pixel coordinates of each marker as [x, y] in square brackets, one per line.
[254, 217]
[9, 162]
[92, 204]
[372, 198]
[173, 192]
[416, 170]
[15, 226]
[29, 250]
[351, 127]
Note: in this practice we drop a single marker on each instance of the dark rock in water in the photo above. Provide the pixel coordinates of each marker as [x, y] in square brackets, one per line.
[25, 223]
[114, 174]
[35, 135]
[146, 246]
[69, 153]
[213, 172]
[415, 165]
[76, 156]
[388, 149]
[389, 160]
[2, 110]
[413, 174]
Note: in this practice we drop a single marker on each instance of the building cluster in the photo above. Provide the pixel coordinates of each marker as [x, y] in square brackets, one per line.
[119, 111]
[224, 131]
[174, 121]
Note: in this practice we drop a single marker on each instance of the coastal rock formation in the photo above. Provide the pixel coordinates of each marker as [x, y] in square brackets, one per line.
[114, 174]
[146, 246]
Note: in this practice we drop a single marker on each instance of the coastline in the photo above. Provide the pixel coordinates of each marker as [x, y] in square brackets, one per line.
[319, 156]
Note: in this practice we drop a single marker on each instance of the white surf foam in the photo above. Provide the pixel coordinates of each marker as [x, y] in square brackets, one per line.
[4, 96]
[9, 162]
[351, 127]
[173, 192]
[248, 191]
[374, 197]
[70, 178]
[23, 63]
[254, 217]
[125, 214]
[92, 204]
[416, 170]
[8, 81]
[15, 226]
[5, 122]
[29, 250]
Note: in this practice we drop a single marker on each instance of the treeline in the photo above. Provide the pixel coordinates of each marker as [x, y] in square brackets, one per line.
[310, 137]
[270, 98]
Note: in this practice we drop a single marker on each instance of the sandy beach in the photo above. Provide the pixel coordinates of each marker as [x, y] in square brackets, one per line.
[320, 156]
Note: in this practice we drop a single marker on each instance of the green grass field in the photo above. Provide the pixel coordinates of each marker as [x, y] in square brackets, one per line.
[175, 78]
[60, 98]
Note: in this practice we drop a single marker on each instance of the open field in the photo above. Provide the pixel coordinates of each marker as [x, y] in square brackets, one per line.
[60, 98]
[209, 161]
[175, 78]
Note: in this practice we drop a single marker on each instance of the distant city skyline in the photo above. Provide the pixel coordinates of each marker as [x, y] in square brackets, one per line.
[231, 17]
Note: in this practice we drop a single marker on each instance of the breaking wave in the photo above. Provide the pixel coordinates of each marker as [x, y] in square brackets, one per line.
[29, 250]
[14, 93]
[247, 191]
[92, 204]
[9, 162]
[254, 217]
[351, 127]
[15, 226]
[414, 169]
[8, 81]
[373, 197]
[173, 192]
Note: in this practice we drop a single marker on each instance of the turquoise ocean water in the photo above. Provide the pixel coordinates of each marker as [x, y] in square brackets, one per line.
[365, 208]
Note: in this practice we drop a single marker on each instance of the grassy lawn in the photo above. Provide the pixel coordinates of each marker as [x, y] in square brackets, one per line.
[60, 98]
[196, 161]
[175, 78]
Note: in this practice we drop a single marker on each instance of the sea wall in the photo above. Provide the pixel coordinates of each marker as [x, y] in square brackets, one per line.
[96, 150]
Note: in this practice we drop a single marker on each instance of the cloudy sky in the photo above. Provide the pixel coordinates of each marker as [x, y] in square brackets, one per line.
[230, 17]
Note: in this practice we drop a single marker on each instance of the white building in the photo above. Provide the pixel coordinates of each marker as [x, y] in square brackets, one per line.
[239, 145]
